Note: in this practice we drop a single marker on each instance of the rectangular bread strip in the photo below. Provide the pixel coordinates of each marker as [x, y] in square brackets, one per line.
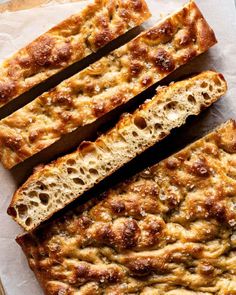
[70, 41]
[53, 186]
[170, 230]
[108, 83]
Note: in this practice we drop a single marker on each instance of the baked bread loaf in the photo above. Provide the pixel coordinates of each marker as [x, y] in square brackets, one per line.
[53, 186]
[170, 230]
[108, 83]
[68, 42]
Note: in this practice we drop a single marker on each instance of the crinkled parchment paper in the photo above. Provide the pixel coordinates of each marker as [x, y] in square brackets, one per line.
[20, 27]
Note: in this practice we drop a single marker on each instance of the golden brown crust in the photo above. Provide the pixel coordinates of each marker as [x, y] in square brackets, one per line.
[106, 84]
[53, 186]
[68, 42]
[169, 230]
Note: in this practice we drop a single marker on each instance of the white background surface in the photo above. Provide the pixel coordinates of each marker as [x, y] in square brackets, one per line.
[18, 28]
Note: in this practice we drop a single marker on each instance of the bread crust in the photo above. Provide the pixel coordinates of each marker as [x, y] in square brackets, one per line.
[108, 83]
[54, 186]
[168, 230]
[68, 42]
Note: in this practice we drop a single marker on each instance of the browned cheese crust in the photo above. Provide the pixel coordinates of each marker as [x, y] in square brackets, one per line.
[68, 42]
[108, 83]
[53, 186]
[170, 230]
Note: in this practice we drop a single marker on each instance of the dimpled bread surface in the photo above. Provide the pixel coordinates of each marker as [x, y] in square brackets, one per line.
[169, 230]
[105, 85]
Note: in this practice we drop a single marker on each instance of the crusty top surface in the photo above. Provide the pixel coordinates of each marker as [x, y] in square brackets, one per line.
[168, 230]
[106, 84]
[68, 42]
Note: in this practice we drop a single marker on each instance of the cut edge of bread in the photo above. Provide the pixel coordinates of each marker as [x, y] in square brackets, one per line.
[227, 129]
[55, 185]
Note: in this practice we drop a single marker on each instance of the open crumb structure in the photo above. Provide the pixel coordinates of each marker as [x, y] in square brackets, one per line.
[53, 186]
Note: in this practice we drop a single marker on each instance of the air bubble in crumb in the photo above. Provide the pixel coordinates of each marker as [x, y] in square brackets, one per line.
[140, 122]
[78, 180]
[44, 198]
[191, 99]
[204, 84]
[32, 194]
[158, 126]
[22, 210]
[71, 170]
[28, 221]
[71, 162]
[206, 96]
[171, 105]
[93, 171]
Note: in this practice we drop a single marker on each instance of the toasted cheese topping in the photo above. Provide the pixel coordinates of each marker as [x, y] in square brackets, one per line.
[68, 42]
[168, 230]
[108, 83]
[59, 183]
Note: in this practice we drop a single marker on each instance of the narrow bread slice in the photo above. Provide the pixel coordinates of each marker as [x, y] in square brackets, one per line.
[169, 230]
[68, 42]
[53, 186]
[108, 83]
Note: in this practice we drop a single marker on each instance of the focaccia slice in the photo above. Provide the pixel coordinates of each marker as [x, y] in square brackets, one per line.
[170, 230]
[68, 42]
[53, 186]
[108, 83]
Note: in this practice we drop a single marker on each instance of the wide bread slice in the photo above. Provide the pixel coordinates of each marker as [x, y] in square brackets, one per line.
[105, 85]
[55, 185]
[68, 42]
[170, 230]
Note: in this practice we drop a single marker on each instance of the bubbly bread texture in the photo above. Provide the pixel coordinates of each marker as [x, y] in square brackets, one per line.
[70, 41]
[106, 84]
[55, 185]
[170, 230]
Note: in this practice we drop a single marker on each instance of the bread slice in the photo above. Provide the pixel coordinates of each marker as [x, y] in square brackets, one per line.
[169, 230]
[70, 41]
[53, 186]
[108, 83]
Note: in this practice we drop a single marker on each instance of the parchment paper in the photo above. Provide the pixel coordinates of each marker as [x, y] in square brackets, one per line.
[18, 28]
